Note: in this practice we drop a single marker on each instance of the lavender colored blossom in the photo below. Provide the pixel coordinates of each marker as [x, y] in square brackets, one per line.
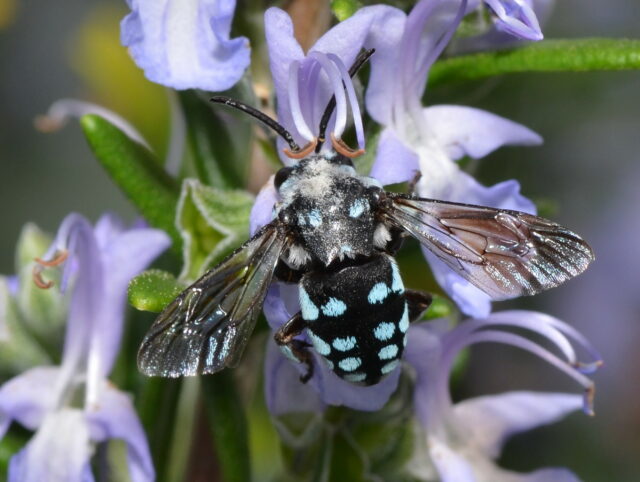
[430, 140]
[186, 45]
[461, 441]
[515, 17]
[304, 83]
[73, 406]
[513, 22]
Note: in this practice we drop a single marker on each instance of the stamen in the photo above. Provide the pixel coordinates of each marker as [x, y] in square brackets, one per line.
[353, 99]
[37, 278]
[587, 404]
[301, 153]
[58, 259]
[342, 148]
[294, 103]
[335, 78]
[63, 109]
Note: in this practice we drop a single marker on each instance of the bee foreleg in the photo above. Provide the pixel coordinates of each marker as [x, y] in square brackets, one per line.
[296, 350]
[417, 302]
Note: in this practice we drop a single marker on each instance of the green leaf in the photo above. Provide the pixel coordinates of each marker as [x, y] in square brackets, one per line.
[153, 289]
[212, 223]
[440, 307]
[581, 55]
[219, 141]
[19, 350]
[343, 9]
[136, 171]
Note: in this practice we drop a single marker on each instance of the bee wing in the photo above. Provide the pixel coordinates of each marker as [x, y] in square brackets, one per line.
[504, 253]
[206, 328]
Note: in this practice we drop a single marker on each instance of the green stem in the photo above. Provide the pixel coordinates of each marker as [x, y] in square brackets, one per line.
[580, 55]
[228, 426]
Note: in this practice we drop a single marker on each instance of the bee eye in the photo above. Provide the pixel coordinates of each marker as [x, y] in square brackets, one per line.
[282, 175]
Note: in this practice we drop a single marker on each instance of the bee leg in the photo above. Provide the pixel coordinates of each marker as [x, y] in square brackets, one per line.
[296, 350]
[287, 274]
[417, 302]
[413, 183]
[397, 240]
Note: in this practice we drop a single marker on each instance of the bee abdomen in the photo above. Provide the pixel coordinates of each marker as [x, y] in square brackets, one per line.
[357, 318]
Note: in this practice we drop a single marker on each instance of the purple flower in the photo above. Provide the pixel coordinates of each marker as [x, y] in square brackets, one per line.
[515, 17]
[304, 83]
[186, 45]
[73, 405]
[461, 441]
[513, 21]
[430, 140]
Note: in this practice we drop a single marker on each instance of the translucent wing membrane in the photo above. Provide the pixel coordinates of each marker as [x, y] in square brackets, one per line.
[207, 326]
[504, 253]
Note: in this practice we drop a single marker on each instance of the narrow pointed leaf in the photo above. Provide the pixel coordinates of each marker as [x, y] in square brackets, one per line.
[580, 55]
[219, 141]
[134, 169]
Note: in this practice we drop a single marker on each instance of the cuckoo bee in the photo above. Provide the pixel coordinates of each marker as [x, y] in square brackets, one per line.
[335, 234]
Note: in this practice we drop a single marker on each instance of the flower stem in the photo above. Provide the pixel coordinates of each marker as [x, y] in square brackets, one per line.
[580, 55]
[228, 426]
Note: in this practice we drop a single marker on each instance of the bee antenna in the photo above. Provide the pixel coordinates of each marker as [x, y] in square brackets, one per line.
[261, 116]
[361, 59]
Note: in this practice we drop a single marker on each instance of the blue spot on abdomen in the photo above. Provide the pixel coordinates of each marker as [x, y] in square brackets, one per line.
[384, 331]
[350, 364]
[308, 308]
[378, 293]
[344, 344]
[334, 307]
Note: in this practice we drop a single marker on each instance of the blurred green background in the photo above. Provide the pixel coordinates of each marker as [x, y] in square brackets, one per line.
[588, 172]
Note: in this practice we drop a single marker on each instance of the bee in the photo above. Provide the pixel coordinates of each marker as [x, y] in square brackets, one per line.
[335, 233]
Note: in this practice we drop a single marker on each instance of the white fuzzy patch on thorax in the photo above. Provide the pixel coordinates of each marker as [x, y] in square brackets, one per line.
[381, 236]
[298, 256]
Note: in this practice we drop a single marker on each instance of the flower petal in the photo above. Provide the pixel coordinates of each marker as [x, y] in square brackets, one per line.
[451, 466]
[516, 17]
[116, 418]
[283, 49]
[27, 397]
[474, 132]
[262, 211]
[345, 40]
[394, 162]
[385, 36]
[186, 45]
[491, 420]
[284, 393]
[59, 451]
[127, 255]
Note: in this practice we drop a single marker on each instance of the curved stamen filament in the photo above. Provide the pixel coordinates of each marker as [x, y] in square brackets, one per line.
[302, 153]
[37, 278]
[342, 148]
[335, 78]
[353, 99]
[59, 258]
[63, 109]
[294, 102]
[530, 346]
